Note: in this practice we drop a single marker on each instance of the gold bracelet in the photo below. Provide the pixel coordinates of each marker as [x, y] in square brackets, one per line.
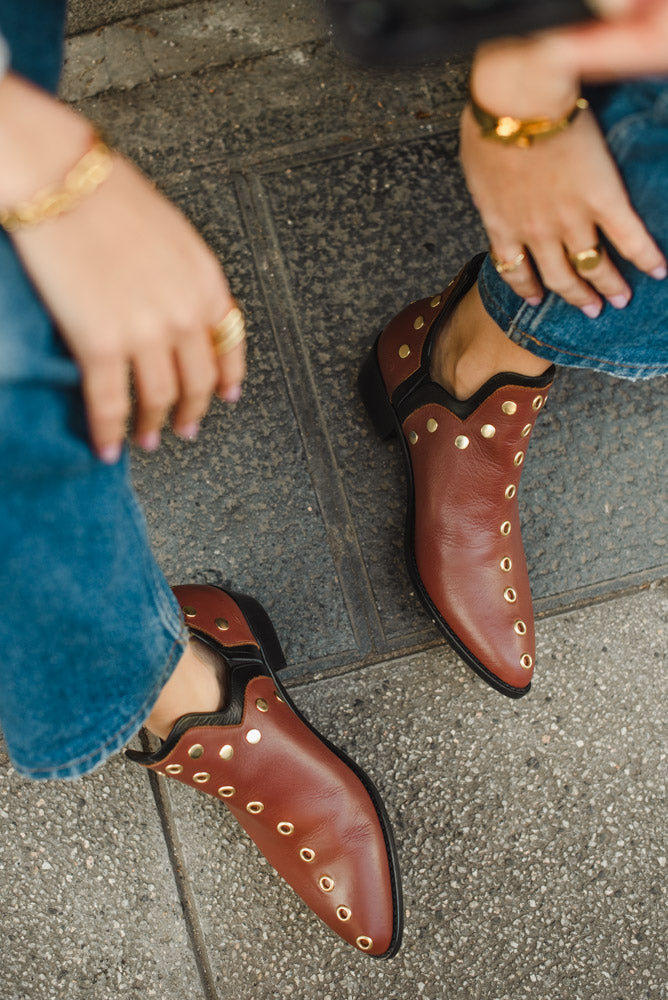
[523, 133]
[85, 177]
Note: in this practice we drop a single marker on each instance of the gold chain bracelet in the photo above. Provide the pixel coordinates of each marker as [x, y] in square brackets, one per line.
[85, 177]
[523, 133]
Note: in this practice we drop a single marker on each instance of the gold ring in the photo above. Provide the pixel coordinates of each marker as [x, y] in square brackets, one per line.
[507, 266]
[587, 260]
[230, 332]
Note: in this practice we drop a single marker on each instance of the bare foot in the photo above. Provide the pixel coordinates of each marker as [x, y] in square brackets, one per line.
[471, 348]
[198, 684]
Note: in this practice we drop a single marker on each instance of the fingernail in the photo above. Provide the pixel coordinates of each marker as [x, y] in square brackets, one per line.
[232, 395]
[659, 272]
[592, 310]
[110, 454]
[619, 301]
[534, 300]
[149, 441]
[189, 431]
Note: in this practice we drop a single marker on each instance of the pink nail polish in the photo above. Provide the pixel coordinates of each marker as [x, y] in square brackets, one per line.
[149, 441]
[619, 301]
[110, 454]
[592, 310]
[659, 272]
[232, 394]
[188, 432]
[534, 300]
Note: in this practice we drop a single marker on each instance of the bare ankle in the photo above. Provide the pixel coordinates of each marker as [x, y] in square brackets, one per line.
[199, 684]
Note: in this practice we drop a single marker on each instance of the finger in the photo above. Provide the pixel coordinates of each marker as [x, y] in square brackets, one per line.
[559, 276]
[157, 389]
[628, 234]
[107, 399]
[604, 277]
[198, 378]
[512, 263]
[231, 360]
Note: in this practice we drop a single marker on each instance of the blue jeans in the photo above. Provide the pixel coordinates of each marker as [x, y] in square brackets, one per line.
[90, 631]
[631, 342]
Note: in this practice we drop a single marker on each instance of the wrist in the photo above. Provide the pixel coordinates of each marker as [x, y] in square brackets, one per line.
[525, 78]
[40, 139]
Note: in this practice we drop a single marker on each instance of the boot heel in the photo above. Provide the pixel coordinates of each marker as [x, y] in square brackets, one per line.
[374, 396]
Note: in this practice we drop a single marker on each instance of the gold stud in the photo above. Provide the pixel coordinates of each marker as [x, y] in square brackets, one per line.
[419, 323]
[404, 351]
[436, 301]
[364, 943]
[526, 430]
[253, 736]
[510, 491]
[188, 611]
[509, 408]
[432, 425]
[226, 752]
[278, 697]
[255, 807]
[326, 883]
[488, 430]
[461, 442]
[526, 662]
[227, 791]
[262, 705]
[344, 913]
[506, 565]
[519, 458]
[520, 627]
[306, 854]
[196, 751]
[285, 828]
[222, 624]
[413, 438]
[506, 528]
[202, 777]
[537, 403]
[174, 768]
[510, 595]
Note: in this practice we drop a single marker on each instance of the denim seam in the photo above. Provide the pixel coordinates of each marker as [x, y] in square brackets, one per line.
[120, 737]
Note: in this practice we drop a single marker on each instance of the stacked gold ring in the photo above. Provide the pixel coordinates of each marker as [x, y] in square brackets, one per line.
[230, 332]
[587, 260]
[507, 266]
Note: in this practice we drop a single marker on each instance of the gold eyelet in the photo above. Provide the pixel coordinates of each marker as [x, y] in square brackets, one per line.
[226, 752]
[510, 491]
[526, 662]
[510, 595]
[196, 751]
[344, 913]
[509, 408]
[506, 564]
[436, 301]
[174, 768]
[537, 403]
[506, 528]
[253, 736]
[227, 791]
[404, 351]
[413, 438]
[188, 611]
[306, 854]
[326, 883]
[488, 430]
[364, 943]
[285, 829]
[222, 624]
[418, 323]
[520, 627]
[526, 430]
[461, 442]
[432, 425]
[262, 705]
[202, 777]
[278, 698]
[255, 807]
[519, 458]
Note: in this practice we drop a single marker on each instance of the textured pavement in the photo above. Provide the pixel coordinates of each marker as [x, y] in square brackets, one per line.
[531, 833]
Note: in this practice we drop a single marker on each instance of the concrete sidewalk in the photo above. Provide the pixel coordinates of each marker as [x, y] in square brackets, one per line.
[531, 833]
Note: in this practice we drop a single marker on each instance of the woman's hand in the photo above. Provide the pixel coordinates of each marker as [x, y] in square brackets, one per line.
[132, 288]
